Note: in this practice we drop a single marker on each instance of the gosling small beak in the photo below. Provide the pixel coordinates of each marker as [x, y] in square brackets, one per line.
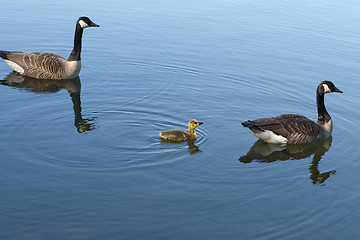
[201, 123]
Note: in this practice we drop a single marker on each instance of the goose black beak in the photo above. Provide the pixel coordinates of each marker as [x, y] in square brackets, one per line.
[201, 123]
[338, 90]
[94, 25]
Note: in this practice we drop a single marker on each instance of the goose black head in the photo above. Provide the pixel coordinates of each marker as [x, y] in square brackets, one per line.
[85, 22]
[328, 87]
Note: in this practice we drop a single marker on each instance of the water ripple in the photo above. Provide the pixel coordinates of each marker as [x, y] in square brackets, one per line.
[139, 136]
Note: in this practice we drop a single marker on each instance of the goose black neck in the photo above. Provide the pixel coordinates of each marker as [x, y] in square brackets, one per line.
[323, 115]
[76, 52]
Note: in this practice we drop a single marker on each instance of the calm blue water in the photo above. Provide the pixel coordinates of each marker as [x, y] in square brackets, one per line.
[81, 159]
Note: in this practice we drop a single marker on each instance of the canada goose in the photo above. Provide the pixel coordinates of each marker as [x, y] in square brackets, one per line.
[180, 135]
[293, 128]
[49, 65]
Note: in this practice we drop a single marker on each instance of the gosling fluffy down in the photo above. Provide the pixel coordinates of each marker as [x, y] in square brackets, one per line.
[180, 135]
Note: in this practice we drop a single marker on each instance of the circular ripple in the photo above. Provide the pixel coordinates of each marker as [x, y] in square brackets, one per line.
[132, 135]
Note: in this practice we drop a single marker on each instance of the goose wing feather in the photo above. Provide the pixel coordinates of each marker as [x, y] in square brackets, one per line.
[296, 128]
[38, 65]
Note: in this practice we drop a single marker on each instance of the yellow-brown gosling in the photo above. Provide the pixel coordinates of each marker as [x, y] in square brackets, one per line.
[180, 135]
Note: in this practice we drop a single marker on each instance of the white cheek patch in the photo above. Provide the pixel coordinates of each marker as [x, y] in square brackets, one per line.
[83, 24]
[326, 88]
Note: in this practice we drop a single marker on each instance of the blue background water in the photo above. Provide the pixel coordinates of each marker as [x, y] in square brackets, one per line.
[81, 159]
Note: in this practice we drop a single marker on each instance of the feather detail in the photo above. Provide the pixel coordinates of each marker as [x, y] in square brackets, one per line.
[41, 65]
[295, 128]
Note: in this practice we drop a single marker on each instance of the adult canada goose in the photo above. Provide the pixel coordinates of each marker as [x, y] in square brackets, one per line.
[180, 135]
[293, 128]
[49, 65]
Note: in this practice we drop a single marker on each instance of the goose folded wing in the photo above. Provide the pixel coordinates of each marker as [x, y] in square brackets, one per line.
[289, 124]
[40, 63]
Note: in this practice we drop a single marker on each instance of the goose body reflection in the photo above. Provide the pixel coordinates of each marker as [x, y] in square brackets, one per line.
[73, 86]
[266, 153]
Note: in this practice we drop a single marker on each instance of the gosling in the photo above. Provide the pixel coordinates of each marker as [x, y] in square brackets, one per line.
[180, 135]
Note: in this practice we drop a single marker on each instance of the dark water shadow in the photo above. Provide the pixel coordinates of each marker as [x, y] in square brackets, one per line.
[43, 86]
[267, 153]
[193, 149]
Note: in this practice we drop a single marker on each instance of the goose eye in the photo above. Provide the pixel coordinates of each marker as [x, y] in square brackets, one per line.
[196, 122]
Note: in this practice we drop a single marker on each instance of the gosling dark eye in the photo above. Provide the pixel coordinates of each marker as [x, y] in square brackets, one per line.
[196, 122]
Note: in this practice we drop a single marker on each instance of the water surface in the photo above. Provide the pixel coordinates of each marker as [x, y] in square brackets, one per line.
[81, 159]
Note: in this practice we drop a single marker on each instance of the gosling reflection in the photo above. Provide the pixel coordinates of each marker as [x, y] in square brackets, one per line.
[267, 153]
[193, 149]
[73, 86]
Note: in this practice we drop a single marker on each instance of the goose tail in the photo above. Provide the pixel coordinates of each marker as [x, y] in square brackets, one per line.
[251, 125]
[3, 54]
[248, 124]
